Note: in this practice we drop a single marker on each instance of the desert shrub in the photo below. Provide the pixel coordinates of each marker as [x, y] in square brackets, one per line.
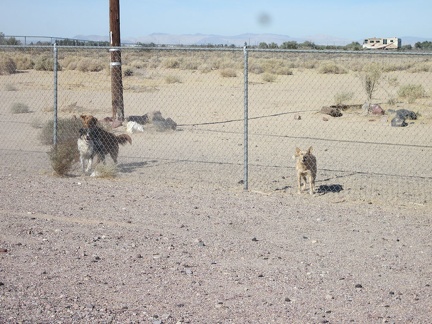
[63, 156]
[89, 65]
[171, 63]
[172, 79]
[204, 68]
[420, 67]
[154, 62]
[7, 65]
[67, 130]
[24, 62]
[189, 64]
[412, 92]
[138, 64]
[343, 97]
[283, 70]
[370, 77]
[44, 63]
[268, 77]
[310, 64]
[228, 73]
[331, 68]
[19, 108]
[400, 66]
[69, 63]
[256, 68]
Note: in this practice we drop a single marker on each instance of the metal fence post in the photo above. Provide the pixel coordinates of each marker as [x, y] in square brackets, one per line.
[246, 116]
[55, 94]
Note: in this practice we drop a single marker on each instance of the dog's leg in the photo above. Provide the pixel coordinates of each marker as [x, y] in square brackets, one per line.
[311, 184]
[82, 163]
[89, 164]
[299, 176]
[304, 184]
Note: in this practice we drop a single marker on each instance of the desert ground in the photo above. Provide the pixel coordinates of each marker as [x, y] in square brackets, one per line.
[174, 237]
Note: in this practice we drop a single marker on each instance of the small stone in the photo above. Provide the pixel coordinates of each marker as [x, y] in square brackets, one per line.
[359, 286]
[287, 299]
[3, 250]
[254, 239]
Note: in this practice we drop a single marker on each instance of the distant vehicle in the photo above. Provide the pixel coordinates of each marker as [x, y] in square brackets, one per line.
[382, 43]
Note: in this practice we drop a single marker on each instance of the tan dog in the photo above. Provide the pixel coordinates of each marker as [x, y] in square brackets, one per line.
[104, 142]
[306, 166]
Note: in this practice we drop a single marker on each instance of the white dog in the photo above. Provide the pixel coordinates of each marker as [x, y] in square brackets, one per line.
[86, 149]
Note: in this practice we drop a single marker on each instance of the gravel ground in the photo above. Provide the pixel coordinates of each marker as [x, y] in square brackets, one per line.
[86, 250]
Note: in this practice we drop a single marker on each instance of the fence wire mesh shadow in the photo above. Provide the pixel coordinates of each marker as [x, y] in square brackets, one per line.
[295, 99]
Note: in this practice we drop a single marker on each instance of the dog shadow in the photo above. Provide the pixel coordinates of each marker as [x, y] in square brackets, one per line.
[131, 167]
[334, 188]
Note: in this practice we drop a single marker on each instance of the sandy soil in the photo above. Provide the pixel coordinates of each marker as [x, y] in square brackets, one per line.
[81, 249]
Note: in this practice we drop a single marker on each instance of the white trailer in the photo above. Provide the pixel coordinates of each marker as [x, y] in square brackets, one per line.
[382, 43]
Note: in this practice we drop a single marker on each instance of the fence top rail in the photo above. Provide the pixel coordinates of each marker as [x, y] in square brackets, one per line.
[219, 49]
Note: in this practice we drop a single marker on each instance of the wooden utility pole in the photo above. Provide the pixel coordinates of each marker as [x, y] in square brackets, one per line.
[115, 66]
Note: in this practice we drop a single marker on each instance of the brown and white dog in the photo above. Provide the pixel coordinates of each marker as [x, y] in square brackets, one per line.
[306, 166]
[104, 141]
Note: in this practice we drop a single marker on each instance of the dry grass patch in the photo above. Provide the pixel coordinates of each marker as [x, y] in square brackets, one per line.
[228, 73]
[268, 77]
[412, 92]
[172, 79]
[19, 108]
[7, 65]
[330, 67]
[63, 156]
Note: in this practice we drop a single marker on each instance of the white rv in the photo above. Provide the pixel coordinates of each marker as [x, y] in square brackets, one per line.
[382, 43]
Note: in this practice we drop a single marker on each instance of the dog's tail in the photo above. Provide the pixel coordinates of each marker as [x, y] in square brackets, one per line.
[123, 139]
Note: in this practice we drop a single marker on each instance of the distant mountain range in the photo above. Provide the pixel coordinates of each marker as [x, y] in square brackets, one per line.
[239, 40]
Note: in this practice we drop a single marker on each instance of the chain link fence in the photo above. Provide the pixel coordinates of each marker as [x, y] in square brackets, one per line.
[367, 116]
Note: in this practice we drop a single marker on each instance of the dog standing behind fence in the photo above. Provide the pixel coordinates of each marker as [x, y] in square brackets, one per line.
[106, 142]
[306, 166]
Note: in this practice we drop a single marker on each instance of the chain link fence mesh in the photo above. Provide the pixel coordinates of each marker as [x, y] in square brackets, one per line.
[343, 104]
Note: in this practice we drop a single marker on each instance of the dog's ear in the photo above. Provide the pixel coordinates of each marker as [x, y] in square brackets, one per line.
[83, 117]
[297, 153]
[309, 150]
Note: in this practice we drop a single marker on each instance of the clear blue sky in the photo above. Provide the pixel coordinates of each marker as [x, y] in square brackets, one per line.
[350, 19]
